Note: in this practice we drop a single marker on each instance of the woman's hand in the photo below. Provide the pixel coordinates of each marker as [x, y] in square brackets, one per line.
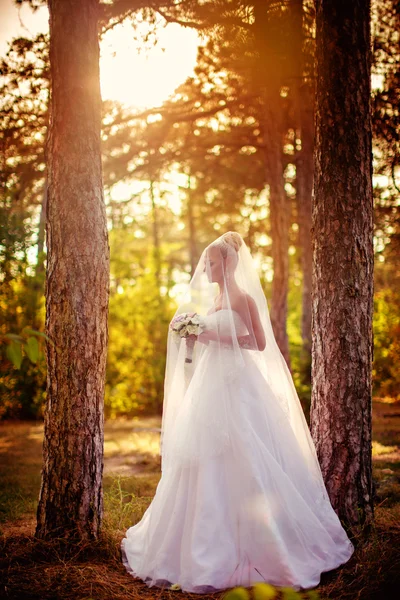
[204, 337]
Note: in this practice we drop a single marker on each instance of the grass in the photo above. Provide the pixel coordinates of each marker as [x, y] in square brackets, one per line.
[39, 570]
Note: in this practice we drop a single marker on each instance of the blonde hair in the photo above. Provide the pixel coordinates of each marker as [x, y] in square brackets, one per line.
[227, 240]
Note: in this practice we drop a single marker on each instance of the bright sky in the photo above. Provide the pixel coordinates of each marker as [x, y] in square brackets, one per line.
[129, 74]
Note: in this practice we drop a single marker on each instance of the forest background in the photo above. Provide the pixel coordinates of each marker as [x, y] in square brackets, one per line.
[218, 154]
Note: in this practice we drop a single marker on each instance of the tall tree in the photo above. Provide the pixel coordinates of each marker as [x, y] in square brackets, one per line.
[301, 81]
[71, 502]
[271, 60]
[343, 257]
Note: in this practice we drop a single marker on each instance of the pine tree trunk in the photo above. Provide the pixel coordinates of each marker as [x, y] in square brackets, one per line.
[267, 78]
[156, 237]
[71, 502]
[305, 178]
[279, 221]
[343, 258]
[303, 95]
[191, 228]
[41, 233]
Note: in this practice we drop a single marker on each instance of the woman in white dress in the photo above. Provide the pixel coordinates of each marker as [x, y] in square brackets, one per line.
[241, 498]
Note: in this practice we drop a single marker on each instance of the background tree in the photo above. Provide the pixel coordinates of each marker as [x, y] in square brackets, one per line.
[23, 126]
[71, 502]
[343, 258]
[301, 80]
[386, 131]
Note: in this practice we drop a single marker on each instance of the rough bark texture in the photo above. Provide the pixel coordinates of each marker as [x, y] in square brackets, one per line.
[71, 502]
[343, 258]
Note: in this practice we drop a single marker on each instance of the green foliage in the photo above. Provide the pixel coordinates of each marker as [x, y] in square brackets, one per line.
[14, 351]
[123, 507]
[312, 595]
[22, 389]
[138, 324]
[300, 359]
[290, 594]
[22, 361]
[266, 591]
[239, 593]
[25, 344]
[386, 323]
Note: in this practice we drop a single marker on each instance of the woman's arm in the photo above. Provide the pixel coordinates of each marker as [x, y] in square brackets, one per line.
[251, 317]
[256, 325]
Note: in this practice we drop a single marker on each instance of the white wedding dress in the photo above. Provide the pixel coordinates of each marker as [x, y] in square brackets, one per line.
[251, 510]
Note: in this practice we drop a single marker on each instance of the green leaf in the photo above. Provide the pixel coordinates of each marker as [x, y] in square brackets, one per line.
[14, 337]
[32, 349]
[312, 595]
[14, 353]
[264, 591]
[239, 593]
[38, 333]
[289, 593]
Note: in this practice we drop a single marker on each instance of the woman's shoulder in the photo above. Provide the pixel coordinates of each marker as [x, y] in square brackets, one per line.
[244, 301]
[240, 303]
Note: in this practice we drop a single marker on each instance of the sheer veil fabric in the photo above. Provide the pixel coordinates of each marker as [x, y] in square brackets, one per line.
[241, 497]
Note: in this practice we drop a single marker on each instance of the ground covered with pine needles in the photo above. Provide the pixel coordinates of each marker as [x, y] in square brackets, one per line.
[39, 570]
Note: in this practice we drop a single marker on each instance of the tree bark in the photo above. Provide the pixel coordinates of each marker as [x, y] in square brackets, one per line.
[191, 228]
[33, 313]
[304, 178]
[279, 227]
[343, 258]
[156, 237]
[41, 233]
[77, 282]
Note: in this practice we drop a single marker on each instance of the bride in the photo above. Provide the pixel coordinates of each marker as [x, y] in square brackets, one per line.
[241, 497]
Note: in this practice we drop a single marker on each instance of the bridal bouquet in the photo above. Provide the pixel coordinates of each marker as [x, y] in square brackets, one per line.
[184, 325]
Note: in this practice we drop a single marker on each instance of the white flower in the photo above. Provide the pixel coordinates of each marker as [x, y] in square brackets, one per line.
[186, 324]
[192, 329]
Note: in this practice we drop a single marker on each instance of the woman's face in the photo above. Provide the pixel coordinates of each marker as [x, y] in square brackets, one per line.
[213, 266]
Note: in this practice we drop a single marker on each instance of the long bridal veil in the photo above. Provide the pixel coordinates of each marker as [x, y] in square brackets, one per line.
[199, 416]
[241, 498]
